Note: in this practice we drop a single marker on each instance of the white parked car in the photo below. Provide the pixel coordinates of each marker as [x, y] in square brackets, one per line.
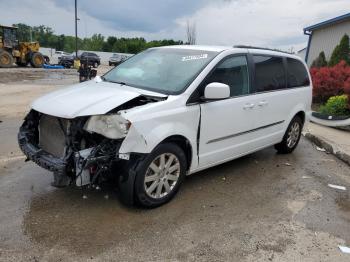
[166, 113]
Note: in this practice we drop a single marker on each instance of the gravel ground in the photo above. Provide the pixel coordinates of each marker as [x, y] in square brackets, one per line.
[262, 207]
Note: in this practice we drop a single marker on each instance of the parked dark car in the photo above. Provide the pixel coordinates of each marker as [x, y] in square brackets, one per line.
[91, 58]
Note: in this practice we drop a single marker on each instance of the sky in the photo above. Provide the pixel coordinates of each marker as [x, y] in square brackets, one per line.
[267, 23]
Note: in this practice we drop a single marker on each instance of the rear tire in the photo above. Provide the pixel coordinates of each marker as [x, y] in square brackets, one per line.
[291, 137]
[160, 175]
[37, 60]
[6, 59]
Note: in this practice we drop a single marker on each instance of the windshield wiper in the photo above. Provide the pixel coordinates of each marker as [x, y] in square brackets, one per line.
[116, 82]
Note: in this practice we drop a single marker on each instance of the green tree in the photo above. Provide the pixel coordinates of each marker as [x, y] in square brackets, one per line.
[95, 43]
[320, 61]
[341, 52]
[47, 38]
[60, 42]
[23, 32]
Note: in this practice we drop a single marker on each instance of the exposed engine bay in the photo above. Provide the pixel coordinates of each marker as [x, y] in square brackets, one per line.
[79, 151]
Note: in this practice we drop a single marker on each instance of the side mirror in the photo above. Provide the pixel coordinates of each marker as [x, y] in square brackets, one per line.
[216, 91]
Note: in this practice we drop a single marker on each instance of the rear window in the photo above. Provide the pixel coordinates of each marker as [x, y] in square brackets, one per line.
[269, 73]
[297, 74]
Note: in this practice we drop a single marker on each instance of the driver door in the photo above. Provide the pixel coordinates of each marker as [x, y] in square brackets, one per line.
[225, 124]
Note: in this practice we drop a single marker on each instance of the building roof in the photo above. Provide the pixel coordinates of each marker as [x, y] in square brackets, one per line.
[327, 22]
[6, 26]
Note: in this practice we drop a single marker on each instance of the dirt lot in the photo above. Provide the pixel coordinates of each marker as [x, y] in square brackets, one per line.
[20, 86]
[263, 207]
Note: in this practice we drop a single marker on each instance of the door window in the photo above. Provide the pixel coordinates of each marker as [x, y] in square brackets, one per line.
[297, 74]
[269, 73]
[233, 72]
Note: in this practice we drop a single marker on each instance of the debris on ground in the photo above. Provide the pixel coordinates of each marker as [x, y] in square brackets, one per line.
[306, 177]
[337, 187]
[85, 197]
[287, 164]
[224, 178]
[344, 249]
[320, 149]
[106, 196]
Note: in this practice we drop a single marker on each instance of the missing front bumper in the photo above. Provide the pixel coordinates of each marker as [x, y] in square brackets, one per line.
[38, 155]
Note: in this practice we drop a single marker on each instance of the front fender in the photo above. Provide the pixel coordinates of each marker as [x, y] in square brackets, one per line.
[146, 134]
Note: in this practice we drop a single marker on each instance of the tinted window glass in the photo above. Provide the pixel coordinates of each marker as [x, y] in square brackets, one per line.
[269, 73]
[234, 73]
[297, 74]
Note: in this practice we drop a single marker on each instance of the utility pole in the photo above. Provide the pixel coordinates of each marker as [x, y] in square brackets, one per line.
[30, 32]
[76, 29]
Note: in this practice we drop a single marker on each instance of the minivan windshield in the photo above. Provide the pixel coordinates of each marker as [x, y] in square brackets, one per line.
[163, 70]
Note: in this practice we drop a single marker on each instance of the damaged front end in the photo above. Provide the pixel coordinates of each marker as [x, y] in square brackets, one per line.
[78, 151]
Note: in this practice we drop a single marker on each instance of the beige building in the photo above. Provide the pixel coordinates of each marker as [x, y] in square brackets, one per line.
[325, 36]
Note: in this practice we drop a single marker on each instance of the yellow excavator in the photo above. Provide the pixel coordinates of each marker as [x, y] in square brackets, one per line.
[21, 53]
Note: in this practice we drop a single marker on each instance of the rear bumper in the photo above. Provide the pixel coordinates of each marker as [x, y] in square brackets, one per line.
[39, 156]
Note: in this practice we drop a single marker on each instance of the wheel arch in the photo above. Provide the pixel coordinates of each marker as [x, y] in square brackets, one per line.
[302, 115]
[184, 144]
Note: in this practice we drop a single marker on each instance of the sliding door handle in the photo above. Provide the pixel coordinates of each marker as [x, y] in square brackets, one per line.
[249, 106]
[262, 103]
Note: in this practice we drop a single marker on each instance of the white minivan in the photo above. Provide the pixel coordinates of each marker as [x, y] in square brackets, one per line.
[165, 113]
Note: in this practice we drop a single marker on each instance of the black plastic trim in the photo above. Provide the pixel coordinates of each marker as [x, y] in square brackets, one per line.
[243, 133]
[39, 156]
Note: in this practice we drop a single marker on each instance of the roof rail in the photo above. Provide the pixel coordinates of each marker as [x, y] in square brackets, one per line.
[261, 48]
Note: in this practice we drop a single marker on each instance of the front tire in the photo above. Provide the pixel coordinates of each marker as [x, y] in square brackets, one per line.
[37, 60]
[291, 137]
[160, 175]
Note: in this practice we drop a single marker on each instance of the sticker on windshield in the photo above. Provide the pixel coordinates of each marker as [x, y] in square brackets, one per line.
[194, 57]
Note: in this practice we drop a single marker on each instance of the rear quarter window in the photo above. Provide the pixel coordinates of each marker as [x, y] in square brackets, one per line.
[297, 74]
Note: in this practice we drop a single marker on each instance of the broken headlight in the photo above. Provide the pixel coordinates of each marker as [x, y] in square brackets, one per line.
[110, 126]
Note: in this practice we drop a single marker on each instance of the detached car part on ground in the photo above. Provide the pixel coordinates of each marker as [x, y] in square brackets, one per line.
[165, 113]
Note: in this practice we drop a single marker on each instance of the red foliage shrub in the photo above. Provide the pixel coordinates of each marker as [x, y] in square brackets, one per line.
[330, 81]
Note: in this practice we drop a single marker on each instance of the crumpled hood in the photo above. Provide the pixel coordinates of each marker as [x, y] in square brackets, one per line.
[88, 98]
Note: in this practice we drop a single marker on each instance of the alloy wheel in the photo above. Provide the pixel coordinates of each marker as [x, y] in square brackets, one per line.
[162, 175]
[293, 134]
